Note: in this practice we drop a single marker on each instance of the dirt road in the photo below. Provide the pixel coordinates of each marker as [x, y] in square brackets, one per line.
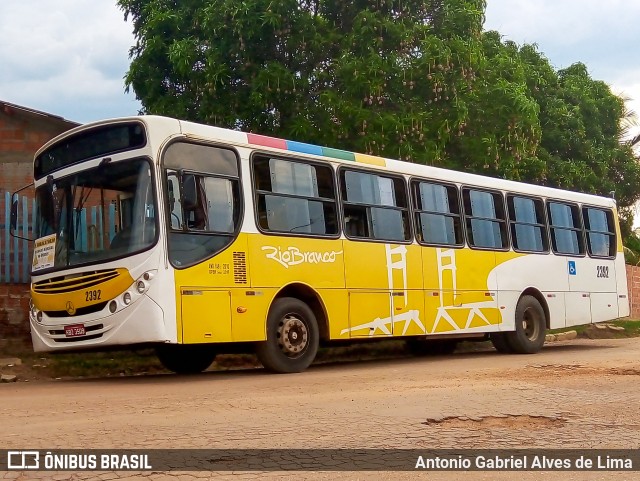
[576, 394]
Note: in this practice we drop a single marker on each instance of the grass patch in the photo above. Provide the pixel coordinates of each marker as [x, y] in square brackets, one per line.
[631, 328]
[104, 364]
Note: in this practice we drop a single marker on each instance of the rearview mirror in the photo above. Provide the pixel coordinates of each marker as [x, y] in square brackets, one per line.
[13, 218]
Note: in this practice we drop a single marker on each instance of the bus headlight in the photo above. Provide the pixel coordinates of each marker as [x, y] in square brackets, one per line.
[113, 306]
[141, 287]
[126, 298]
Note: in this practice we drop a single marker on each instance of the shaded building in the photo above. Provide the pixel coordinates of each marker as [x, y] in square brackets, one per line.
[22, 132]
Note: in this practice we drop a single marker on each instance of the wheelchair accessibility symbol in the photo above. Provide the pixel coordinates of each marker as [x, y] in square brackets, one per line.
[572, 268]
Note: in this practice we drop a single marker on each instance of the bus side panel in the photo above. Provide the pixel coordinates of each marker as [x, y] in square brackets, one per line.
[385, 287]
[592, 295]
[249, 311]
[622, 288]
[336, 304]
[545, 273]
[278, 261]
[203, 293]
[460, 290]
[206, 315]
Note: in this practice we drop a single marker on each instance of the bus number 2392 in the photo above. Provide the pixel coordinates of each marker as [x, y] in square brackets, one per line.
[92, 295]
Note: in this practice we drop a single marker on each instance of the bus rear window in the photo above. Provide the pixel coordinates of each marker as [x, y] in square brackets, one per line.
[90, 144]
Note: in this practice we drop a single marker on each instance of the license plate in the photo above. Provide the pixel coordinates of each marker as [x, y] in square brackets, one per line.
[75, 330]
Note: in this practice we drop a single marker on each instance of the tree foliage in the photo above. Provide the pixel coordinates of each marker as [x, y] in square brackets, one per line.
[414, 80]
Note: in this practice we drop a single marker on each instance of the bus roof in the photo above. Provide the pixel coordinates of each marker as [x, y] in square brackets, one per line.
[243, 139]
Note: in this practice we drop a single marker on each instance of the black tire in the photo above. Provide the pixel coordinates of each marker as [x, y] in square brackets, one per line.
[499, 341]
[292, 337]
[531, 326]
[431, 347]
[185, 358]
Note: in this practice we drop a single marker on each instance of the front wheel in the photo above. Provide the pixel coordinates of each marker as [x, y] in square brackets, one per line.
[531, 325]
[292, 337]
[184, 358]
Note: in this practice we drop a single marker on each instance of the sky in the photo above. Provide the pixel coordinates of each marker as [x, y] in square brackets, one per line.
[69, 57]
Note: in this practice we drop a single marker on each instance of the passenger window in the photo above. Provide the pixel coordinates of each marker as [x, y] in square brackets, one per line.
[437, 214]
[295, 197]
[375, 206]
[485, 219]
[208, 203]
[528, 227]
[601, 236]
[566, 228]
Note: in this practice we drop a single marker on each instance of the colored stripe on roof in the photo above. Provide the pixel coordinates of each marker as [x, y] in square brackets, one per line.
[267, 141]
[301, 147]
[338, 154]
[371, 160]
[304, 148]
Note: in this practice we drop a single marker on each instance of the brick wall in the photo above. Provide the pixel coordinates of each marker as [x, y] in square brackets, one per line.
[14, 311]
[22, 132]
[633, 282]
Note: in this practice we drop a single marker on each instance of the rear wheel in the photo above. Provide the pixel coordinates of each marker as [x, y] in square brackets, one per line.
[185, 358]
[499, 341]
[531, 325]
[292, 337]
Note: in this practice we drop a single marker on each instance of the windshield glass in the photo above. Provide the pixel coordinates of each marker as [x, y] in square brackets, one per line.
[95, 215]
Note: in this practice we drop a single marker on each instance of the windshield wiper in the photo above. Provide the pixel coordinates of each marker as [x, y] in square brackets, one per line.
[81, 201]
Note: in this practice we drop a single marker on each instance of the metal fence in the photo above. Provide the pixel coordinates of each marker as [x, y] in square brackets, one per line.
[16, 254]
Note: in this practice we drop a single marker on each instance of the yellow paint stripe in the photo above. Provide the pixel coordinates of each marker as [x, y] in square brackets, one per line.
[109, 289]
[371, 160]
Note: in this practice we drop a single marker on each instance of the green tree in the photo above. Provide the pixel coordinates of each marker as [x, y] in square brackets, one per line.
[415, 80]
[407, 79]
[581, 142]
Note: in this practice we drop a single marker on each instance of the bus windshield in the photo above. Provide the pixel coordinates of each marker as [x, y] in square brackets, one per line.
[95, 215]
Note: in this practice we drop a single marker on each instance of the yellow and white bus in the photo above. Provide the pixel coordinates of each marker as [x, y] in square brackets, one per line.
[200, 240]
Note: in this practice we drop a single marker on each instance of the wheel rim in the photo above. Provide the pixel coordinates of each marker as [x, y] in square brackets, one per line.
[531, 324]
[293, 336]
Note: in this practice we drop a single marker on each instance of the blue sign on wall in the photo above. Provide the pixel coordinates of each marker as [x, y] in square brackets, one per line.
[572, 268]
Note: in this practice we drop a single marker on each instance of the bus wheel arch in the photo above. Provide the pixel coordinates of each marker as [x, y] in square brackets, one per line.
[531, 323]
[312, 299]
[531, 291]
